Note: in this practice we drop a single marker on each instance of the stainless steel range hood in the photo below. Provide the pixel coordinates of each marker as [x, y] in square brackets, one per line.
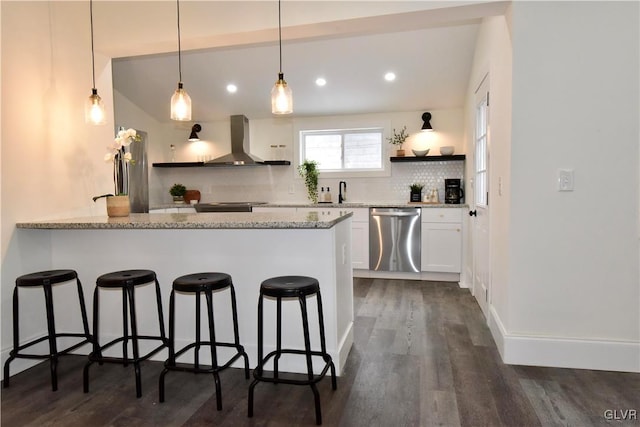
[240, 152]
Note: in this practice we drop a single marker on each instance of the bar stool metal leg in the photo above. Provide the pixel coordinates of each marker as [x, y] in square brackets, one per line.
[214, 351]
[46, 280]
[195, 284]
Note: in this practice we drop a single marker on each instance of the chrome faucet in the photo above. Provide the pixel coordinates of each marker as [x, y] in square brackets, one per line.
[342, 197]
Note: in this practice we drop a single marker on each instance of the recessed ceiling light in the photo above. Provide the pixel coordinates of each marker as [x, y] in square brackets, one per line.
[231, 88]
[321, 81]
[390, 76]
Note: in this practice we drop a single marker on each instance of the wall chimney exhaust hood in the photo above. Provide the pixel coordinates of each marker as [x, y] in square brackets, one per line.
[240, 155]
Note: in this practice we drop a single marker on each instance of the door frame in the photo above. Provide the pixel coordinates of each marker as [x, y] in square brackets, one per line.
[481, 291]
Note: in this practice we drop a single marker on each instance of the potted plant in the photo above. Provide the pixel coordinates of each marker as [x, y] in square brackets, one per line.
[308, 170]
[178, 191]
[119, 155]
[398, 139]
[416, 192]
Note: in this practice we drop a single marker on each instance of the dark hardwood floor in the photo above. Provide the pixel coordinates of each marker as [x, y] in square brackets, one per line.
[422, 357]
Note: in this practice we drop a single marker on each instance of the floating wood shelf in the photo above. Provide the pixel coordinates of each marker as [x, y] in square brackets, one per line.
[428, 158]
[202, 164]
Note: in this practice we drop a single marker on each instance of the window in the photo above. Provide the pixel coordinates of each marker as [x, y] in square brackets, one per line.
[482, 120]
[348, 150]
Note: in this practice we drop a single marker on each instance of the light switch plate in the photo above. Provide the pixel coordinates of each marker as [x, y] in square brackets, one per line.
[565, 180]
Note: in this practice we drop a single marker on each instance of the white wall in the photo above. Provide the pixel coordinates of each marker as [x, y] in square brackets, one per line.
[573, 288]
[52, 163]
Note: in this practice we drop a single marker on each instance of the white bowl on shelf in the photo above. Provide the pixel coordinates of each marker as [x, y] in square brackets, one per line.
[420, 153]
[447, 150]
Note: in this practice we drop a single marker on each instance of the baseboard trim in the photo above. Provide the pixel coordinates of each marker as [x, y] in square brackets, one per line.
[432, 276]
[559, 352]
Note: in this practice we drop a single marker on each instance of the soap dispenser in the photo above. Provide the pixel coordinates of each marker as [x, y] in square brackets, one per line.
[327, 195]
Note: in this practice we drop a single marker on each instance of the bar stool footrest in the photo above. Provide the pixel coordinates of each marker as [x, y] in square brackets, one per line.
[16, 354]
[316, 378]
[169, 366]
[108, 359]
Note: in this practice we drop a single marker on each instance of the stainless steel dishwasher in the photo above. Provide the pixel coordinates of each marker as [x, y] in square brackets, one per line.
[394, 239]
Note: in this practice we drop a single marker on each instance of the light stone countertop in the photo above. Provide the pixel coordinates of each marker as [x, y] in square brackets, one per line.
[352, 205]
[231, 220]
[348, 205]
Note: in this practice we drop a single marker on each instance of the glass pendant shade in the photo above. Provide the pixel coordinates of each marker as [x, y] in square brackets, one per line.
[180, 105]
[281, 97]
[94, 112]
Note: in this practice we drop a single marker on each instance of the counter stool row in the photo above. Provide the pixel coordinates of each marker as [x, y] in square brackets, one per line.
[299, 287]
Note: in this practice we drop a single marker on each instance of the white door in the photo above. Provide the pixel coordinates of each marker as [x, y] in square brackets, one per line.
[480, 222]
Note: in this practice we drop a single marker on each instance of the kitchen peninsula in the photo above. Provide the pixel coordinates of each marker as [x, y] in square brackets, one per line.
[251, 247]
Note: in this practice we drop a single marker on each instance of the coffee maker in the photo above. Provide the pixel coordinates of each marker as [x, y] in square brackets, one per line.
[453, 192]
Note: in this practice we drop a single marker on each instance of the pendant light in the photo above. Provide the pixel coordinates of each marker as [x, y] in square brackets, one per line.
[94, 112]
[281, 97]
[180, 101]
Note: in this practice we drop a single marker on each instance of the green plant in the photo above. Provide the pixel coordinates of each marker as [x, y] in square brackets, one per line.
[178, 190]
[399, 138]
[416, 188]
[308, 170]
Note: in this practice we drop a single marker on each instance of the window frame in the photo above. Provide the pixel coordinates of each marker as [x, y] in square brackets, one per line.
[328, 124]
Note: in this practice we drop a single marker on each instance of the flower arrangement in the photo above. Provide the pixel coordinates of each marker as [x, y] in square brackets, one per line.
[120, 157]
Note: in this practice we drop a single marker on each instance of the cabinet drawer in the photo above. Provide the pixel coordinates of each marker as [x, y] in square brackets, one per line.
[441, 215]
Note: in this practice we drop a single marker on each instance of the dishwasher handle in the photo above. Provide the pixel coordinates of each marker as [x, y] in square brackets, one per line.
[416, 213]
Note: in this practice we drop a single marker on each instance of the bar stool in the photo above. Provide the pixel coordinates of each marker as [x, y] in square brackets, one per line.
[127, 281]
[46, 279]
[292, 287]
[205, 283]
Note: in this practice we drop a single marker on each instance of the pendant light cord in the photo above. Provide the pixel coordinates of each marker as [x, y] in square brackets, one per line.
[93, 63]
[179, 47]
[280, 35]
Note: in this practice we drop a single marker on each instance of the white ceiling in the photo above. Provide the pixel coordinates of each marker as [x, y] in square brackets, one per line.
[430, 51]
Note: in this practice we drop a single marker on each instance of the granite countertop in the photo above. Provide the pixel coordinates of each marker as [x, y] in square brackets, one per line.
[232, 220]
[367, 205]
[346, 205]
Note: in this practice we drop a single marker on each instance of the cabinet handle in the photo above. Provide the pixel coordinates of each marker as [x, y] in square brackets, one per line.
[473, 213]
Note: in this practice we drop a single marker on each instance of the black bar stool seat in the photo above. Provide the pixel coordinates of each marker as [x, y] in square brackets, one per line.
[299, 287]
[127, 281]
[205, 283]
[46, 279]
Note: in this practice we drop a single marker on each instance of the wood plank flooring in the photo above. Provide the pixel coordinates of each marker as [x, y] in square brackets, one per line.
[423, 356]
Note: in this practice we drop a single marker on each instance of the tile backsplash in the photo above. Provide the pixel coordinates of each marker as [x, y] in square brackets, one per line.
[282, 184]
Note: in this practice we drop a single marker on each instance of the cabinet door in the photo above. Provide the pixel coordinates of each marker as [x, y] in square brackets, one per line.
[273, 209]
[441, 247]
[360, 245]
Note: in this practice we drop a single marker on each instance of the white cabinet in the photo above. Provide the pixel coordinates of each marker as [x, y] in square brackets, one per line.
[359, 229]
[441, 240]
[270, 209]
[359, 237]
[360, 244]
[173, 210]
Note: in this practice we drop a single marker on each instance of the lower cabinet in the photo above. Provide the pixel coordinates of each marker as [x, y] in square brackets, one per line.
[441, 236]
[173, 210]
[359, 230]
[441, 240]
